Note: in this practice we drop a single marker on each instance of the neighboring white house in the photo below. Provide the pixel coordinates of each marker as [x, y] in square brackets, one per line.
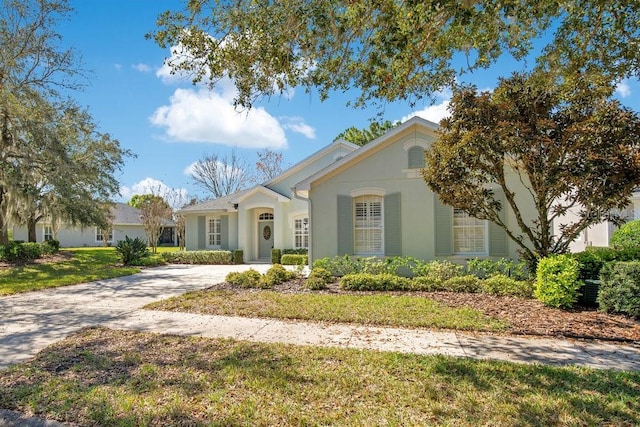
[598, 234]
[126, 222]
[344, 199]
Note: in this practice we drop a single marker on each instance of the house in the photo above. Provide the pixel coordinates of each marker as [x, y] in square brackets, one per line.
[126, 222]
[344, 199]
[598, 234]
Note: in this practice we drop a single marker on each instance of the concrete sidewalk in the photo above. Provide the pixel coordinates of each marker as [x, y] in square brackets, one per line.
[32, 321]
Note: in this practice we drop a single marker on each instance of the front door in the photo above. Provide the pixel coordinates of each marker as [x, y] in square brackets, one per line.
[265, 239]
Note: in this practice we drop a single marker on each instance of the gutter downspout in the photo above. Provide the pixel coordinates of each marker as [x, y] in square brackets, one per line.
[308, 200]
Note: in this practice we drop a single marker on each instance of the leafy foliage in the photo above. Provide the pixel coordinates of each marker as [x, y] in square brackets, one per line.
[543, 153]
[395, 50]
[364, 136]
[199, 257]
[276, 275]
[238, 256]
[132, 251]
[245, 279]
[318, 279]
[620, 288]
[486, 267]
[557, 281]
[292, 259]
[507, 286]
[374, 282]
[627, 236]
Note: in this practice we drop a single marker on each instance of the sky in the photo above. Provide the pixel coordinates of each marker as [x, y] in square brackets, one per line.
[169, 124]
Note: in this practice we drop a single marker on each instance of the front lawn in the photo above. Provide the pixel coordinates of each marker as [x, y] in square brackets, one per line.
[124, 378]
[82, 265]
[382, 309]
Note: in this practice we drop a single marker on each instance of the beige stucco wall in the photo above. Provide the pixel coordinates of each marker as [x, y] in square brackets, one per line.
[71, 237]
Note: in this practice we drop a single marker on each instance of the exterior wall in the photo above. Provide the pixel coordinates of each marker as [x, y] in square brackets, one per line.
[72, 237]
[192, 238]
[385, 170]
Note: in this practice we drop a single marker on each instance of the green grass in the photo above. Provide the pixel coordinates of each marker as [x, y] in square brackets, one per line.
[125, 378]
[87, 264]
[385, 310]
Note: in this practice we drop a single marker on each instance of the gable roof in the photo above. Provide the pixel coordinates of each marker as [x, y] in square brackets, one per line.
[335, 145]
[365, 150]
[221, 204]
[124, 214]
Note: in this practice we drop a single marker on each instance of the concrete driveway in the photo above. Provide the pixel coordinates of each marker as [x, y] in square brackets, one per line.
[29, 322]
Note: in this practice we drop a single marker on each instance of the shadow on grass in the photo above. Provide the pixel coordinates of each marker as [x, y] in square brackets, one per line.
[122, 378]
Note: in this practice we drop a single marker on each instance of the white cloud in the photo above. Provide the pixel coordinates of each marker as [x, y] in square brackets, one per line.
[143, 68]
[209, 116]
[433, 113]
[176, 197]
[297, 124]
[623, 89]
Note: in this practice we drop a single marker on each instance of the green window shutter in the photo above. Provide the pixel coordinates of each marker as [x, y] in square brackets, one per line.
[202, 231]
[443, 232]
[392, 225]
[497, 235]
[416, 157]
[224, 232]
[345, 225]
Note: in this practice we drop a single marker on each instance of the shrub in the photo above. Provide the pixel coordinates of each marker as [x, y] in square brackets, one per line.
[318, 279]
[620, 288]
[20, 251]
[439, 270]
[299, 251]
[467, 283]
[557, 281]
[627, 236]
[339, 266]
[293, 259]
[427, 284]
[199, 257]
[507, 286]
[374, 282]
[276, 275]
[276, 254]
[50, 246]
[132, 250]
[484, 268]
[246, 279]
[238, 256]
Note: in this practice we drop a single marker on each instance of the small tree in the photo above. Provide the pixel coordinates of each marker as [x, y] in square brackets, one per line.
[365, 136]
[180, 231]
[269, 165]
[542, 152]
[155, 213]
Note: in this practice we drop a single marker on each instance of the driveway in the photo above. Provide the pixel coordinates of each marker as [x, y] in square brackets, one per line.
[34, 320]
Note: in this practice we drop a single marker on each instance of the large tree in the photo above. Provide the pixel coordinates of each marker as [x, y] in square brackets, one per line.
[395, 50]
[544, 155]
[48, 146]
[366, 135]
[221, 175]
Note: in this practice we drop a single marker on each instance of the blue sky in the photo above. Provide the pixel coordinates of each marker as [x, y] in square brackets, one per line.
[169, 123]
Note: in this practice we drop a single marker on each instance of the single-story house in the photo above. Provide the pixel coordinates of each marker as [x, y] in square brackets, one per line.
[598, 234]
[126, 222]
[345, 199]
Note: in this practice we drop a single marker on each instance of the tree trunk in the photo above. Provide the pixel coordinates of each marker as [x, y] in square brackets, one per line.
[31, 226]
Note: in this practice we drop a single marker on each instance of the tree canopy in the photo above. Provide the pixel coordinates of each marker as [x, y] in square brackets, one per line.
[395, 50]
[53, 159]
[544, 154]
[366, 135]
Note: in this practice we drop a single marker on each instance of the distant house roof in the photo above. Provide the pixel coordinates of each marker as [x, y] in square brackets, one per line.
[124, 214]
[224, 203]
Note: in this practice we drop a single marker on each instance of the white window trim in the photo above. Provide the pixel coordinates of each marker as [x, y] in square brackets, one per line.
[415, 143]
[110, 235]
[485, 252]
[380, 228]
[301, 235]
[45, 234]
[368, 191]
[210, 233]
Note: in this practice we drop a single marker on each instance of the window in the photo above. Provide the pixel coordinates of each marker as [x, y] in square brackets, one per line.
[215, 237]
[416, 157]
[48, 233]
[301, 233]
[469, 234]
[368, 225]
[101, 234]
[265, 216]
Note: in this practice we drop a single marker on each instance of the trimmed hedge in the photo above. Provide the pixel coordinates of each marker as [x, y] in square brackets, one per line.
[374, 282]
[299, 251]
[276, 254]
[20, 251]
[238, 256]
[620, 288]
[292, 259]
[627, 236]
[507, 286]
[199, 257]
[318, 279]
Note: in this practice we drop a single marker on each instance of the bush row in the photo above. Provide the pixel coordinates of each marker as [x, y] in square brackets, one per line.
[592, 260]
[199, 257]
[497, 284]
[620, 288]
[26, 251]
[251, 278]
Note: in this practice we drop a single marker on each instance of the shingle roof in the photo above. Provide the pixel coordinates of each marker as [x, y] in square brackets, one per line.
[219, 204]
[125, 214]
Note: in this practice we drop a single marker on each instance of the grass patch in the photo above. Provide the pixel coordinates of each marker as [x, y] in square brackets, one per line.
[86, 265]
[384, 310]
[122, 378]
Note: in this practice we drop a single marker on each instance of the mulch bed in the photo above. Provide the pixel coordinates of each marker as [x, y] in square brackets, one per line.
[526, 316]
